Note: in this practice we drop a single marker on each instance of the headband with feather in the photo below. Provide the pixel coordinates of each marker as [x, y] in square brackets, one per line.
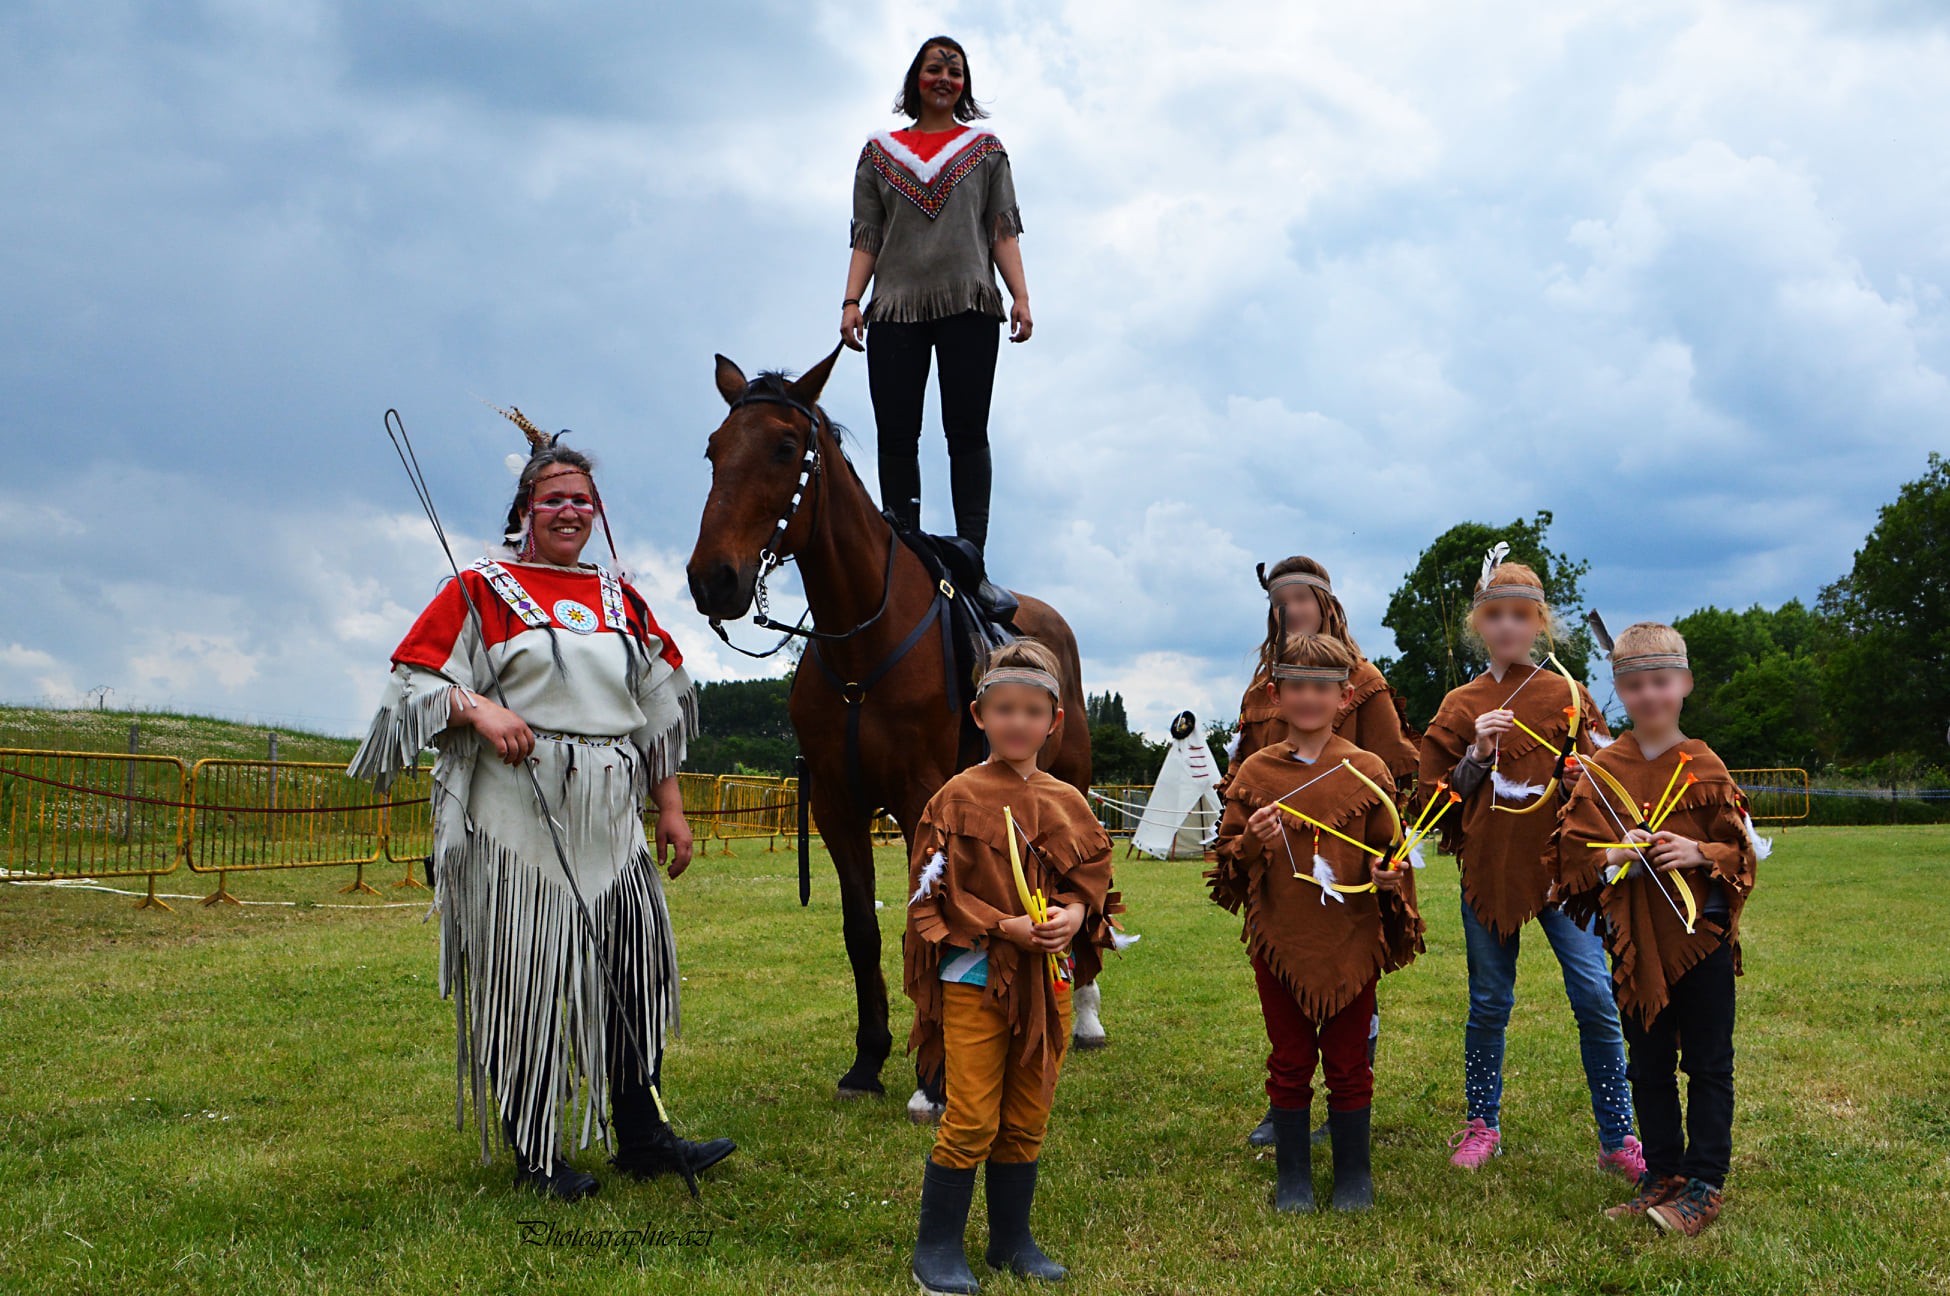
[1491, 560]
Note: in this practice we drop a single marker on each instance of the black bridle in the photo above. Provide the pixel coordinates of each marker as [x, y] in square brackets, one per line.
[811, 475]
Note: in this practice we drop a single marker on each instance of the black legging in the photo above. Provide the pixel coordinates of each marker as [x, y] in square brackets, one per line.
[897, 377]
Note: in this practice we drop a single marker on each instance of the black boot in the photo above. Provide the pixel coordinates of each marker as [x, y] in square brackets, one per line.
[560, 1179]
[940, 1263]
[970, 473]
[1294, 1155]
[1262, 1135]
[1011, 1189]
[647, 1147]
[1353, 1180]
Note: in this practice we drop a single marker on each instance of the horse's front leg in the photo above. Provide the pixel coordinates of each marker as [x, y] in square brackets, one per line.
[852, 850]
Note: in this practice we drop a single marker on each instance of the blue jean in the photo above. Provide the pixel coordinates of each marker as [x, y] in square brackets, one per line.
[1587, 982]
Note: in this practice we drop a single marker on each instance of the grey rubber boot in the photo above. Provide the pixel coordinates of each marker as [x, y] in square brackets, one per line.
[1294, 1155]
[1011, 1187]
[940, 1263]
[1353, 1178]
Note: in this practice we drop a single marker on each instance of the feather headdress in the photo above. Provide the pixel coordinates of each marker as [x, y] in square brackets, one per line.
[1497, 553]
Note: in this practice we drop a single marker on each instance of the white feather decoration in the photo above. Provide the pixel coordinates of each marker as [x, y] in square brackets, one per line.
[1611, 873]
[1415, 859]
[930, 875]
[1324, 874]
[1600, 741]
[1497, 553]
[1508, 789]
[1232, 747]
[1763, 846]
[515, 464]
[1123, 940]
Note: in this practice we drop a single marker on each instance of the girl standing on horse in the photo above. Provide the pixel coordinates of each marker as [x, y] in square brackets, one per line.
[1303, 602]
[934, 216]
[1498, 742]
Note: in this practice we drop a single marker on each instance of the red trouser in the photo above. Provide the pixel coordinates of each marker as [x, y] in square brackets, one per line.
[1339, 1045]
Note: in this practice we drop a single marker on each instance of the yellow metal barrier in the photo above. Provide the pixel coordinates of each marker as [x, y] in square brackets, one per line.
[91, 814]
[406, 824]
[250, 815]
[751, 807]
[1775, 795]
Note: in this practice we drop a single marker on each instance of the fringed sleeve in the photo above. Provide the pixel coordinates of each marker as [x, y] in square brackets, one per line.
[869, 209]
[1083, 868]
[668, 701]
[999, 212]
[1374, 725]
[413, 714]
[1401, 917]
[1237, 853]
[1443, 744]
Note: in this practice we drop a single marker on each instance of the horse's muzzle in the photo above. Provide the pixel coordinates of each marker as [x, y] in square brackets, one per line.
[720, 590]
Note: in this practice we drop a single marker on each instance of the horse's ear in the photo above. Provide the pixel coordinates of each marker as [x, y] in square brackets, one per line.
[731, 381]
[809, 384]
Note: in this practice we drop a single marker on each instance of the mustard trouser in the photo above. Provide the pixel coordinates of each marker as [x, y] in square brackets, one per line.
[995, 1108]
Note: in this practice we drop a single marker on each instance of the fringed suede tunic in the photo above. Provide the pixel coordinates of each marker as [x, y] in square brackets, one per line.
[612, 715]
[1501, 855]
[1370, 721]
[930, 206]
[1324, 948]
[962, 886]
[1643, 927]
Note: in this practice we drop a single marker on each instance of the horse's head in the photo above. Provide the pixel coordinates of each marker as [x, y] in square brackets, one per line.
[758, 456]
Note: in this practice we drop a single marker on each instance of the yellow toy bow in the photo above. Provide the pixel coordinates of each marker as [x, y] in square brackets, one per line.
[1570, 748]
[1033, 903]
[1604, 778]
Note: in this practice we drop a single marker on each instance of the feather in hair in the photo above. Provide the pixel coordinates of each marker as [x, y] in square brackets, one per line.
[1497, 553]
[538, 440]
[1598, 631]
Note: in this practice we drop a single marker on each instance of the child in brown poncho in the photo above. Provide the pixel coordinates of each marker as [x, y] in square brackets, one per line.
[1671, 903]
[1305, 853]
[991, 983]
[1301, 600]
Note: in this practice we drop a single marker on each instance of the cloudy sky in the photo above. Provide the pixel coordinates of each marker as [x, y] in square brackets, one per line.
[1325, 278]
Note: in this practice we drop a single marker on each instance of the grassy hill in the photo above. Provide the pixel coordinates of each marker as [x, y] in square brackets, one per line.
[162, 734]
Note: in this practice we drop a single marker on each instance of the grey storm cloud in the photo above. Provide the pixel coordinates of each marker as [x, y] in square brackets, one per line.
[1321, 282]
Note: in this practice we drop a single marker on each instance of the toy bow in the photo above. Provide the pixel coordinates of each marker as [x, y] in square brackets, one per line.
[1604, 778]
[1407, 840]
[1033, 903]
[1569, 748]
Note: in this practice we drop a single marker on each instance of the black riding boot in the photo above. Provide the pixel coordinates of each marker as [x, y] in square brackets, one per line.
[560, 1179]
[647, 1147]
[940, 1263]
[970, 476]
[1353, 1179]
[900, 486]
[1011, 1189]
[1293, 1153]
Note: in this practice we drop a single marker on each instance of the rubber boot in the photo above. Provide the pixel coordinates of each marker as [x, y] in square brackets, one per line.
[645, 1145]
[560, 1180]
[940, 1263]
[1353, 1179]
[1293, 1153]
[1011, 1188]
[1262, 1135]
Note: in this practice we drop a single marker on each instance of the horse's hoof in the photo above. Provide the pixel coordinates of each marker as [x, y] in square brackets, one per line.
[1089, 1043]
[922, 1110]
[851, 1087]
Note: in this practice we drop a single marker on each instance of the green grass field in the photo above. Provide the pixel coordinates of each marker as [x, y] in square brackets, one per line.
[260, 1100]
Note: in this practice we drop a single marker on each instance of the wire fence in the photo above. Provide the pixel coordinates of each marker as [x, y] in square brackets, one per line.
[68, 815]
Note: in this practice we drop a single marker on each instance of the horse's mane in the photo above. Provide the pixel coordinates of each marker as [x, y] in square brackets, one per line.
[775, 382]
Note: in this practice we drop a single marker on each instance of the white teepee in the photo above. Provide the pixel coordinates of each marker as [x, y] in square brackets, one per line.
[1182, 817]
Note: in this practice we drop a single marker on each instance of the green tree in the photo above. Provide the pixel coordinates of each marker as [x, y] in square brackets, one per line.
[1756, 684]
[1429, 612]
[746, 728]
[1106, 709]
[1119, 756]
[1888, 628]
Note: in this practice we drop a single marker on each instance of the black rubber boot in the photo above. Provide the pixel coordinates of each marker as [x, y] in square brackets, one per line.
[940, 1263]
[647, 1147]
[560, 1180]
[1262, 1135]
[1353, 1179]
[1294, 1155]
[1011, 1187]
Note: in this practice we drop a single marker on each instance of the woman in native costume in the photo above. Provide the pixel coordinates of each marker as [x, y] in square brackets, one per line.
[552, 698]
[1494, 763]
[1311, 851]
[1657, 838]
[1302, 601]
[934, 216]
[1011, 904]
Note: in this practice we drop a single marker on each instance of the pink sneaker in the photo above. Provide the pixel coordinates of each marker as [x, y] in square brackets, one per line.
[1627, 1162]
[1475, 1143]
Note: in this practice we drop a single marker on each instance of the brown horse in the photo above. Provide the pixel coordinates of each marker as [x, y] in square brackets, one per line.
[778, 471]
